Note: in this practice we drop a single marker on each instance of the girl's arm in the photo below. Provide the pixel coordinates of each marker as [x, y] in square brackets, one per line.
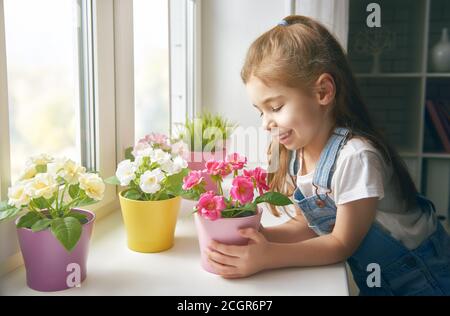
[353, 221]
[294, 230]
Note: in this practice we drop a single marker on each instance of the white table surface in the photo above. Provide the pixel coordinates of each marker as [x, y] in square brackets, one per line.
[113, 269]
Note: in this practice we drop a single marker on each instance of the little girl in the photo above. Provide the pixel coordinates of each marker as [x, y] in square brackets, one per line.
[356, 200]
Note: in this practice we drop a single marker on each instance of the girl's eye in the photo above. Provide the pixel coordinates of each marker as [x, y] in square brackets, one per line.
[277, 109]
[261, 114]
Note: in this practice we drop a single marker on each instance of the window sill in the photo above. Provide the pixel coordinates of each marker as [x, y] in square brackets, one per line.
[113, 269]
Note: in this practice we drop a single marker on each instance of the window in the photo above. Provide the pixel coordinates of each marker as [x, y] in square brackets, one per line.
[151, 66]
[68, 85]
[43, 79]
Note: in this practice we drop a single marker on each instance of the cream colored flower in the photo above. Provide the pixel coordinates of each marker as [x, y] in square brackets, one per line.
[17, 195]
[93, 185]
[42, 185]
[39, 160]
[72, 171]
[66, 168]
[29, 172]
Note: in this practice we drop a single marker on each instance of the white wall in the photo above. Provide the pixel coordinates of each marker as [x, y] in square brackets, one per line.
[228, 29]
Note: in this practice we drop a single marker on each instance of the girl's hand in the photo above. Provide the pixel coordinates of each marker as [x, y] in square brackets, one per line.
[239, 261]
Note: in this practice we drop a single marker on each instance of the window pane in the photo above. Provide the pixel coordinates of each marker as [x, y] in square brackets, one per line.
[151, 66]
[42, 61]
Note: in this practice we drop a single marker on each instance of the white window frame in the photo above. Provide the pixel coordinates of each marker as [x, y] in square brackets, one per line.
[103, 113]
[185, 60]
[112, 120]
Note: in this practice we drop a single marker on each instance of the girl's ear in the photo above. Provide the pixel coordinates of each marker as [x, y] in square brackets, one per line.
[325, 89]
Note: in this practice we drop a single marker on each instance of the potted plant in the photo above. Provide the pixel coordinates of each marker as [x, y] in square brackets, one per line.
[150, 203]
[55, 229]
[206, 137]
[219, 216]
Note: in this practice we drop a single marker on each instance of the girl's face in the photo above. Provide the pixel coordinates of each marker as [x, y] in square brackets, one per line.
[292, 117]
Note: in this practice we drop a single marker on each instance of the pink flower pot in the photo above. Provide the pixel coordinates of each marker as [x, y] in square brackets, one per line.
[223, 230]
[49, 266]
[197, 159]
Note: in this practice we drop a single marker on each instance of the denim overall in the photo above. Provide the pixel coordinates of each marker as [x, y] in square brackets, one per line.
[422, 271]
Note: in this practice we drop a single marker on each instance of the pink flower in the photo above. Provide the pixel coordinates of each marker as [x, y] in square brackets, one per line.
[180, 148]
[158, 138]
[155, 140]
[215, 168]
[242, 189]
[210, 206]
[192, 179]
[259, 175]
[237, 162]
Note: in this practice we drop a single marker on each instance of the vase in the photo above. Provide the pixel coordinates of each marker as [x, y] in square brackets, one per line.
[49, 266]
[150, 225]
[440, 54]
[223, 230]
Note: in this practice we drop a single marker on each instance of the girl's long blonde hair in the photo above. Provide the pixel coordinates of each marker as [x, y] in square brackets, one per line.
[296, 54]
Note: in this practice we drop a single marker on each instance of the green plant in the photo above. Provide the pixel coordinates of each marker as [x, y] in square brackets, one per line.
[153, 170]
[48, 191]
[207, 132]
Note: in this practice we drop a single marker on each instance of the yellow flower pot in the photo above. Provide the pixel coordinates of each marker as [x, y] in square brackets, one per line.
[150, 225]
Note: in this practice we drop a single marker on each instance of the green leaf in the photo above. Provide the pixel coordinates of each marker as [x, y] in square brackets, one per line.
[67, 230]
[41, 168]
[237, 213]
[112, 180]
[174, 183]
[190, 195]
[132, 195]
[82, 218]
[243, 211]
[28, 220]
[74, 190]
[7, 211]
[86, 201]
[41, 203]
[274, 198]
[41, 224]
[128, 154]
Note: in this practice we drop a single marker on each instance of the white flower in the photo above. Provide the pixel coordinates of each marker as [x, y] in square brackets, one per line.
[146, 152]
[93, 185]
[175, 166]
[67, 169]
[160, 156]
[179, 164]
[150, 181]
[39, 160]
[17, 195]
[167, 166]
[29, 172]
[126, 172]
[42, 185]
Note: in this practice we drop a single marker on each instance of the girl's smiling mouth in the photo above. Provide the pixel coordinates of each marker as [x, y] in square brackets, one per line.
[284, 137]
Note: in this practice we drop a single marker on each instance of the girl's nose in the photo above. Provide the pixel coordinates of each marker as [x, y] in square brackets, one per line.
[268, 123]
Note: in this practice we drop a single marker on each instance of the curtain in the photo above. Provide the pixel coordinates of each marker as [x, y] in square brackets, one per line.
[331, 13]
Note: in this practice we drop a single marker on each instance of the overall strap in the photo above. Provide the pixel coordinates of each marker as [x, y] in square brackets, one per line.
[325, 166]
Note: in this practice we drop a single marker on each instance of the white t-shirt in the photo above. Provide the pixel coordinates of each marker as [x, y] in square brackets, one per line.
[361, 172]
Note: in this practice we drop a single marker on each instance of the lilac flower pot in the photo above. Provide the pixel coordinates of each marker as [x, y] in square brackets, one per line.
[223, 230]
[49, 266]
